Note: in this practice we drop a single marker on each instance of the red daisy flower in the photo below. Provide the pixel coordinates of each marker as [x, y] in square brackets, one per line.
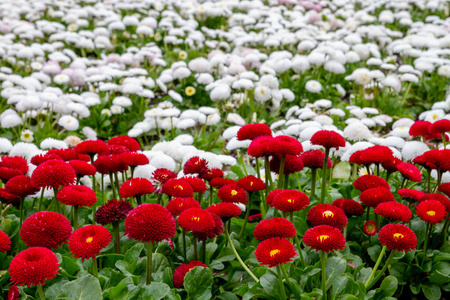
[366, 182]
[419, 128]
[196, 220]
[293, 164]
[251, 131]
[370, 228]
[40, 158]
[410, 171]
[275, 227]
[436, 138]
[251, 183]
[274, 252]
[198, 185]
[103, 164]
[126, 141]
[324, 238]
[68, 154]
[285, 145]
[220, 182]
[9, 198]
[163, 175]
[212, 173]
[355, 158]
[375, 154]
[290, 200]
[390, 164]
[196, 165]
[33, 266]
[150, 223]
[440, 126]
[260, 146]
[45, 229]
[349, 206]
[8, 173]
[374, 196]
[53, 174]
[14, 162]
[115, 150]
[136, 187]
[87, 242]
[20, 186]
[5, 242]
[232, 193]
[397, 237]
[112, 211]
[272, 195]
[313, 159]
[177, 205]
[82, 168]
[326, 214]
[394, 211]
[411, 194]
[218, 229]
[178, 188]
[91, 147]
[254, 218]
[78, 195]
[182, 270]
[431, 211]
[328, 139]
[438, 197]
[225, 210]
[134, 159]
[13, 292]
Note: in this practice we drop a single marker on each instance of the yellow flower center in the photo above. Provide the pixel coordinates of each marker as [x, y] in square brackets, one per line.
[431, 213]
[328, 214]
[195, 219]
[322, 237]
[179, 187]
[398, 236]
[89, 239]
[290, 200]
[234, 193]
[274, 252]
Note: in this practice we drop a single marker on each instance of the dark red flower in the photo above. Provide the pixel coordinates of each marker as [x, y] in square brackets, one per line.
[82, 168]
[112, 211]
[394, 211]
[182, 270]
[260, 146]
[232, 193]
[290, 200]
[78, 195]
[272, 195]
[40, 158]
[285, 145]
[14, 162]
[397, 237]
[410, 171]
[254, 218]
[313, 159]
[9, 198]
[212, 173]
[45, 229]
[217, 230]
[91, 147]
[438, 197]
[370, 228]
[274, 252]
[220, 182]
[13, 292]
[391, 163]
[324, 238]
[251, 183]
[163, 175]
[126, 141]
[5, 242]
[8, 173]
[366, 182]
[411, 194]
[20, 186]
[419, 128]
[374, 196]
[225, 210]
[275, 227]
[326, 214]
[136, 187]
[178, 188]
[87, 242]
[196, 220]
[328, 139]
[33, 266]
[375, 154]
[431, 211]
[177, 205]
[293, 164]
[251, 131]
[198, 185]
[150, 223]
[134, 159]
[53, 174]
[196, 165]
[115, 150]
[439, 126]
[356, 158]
[349, 206]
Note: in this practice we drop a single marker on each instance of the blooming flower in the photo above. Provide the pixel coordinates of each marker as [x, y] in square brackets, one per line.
[274, 227]
[431, 211]
[274, 251]
[324, 238]
[87, 242]
[397, 237]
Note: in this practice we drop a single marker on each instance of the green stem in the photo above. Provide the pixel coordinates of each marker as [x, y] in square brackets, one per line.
[195, 249]
[116, 236]
[210, 195]
[427, 238]
[149, 262]
[21, 211]
[324, 175]
[204, 251]
[281, 172]
[41, 198]
[323, 258]
[112, 185]
[313, 183]
[75, 217]
[40, 291]
[386, 264]
[238, 257]
[443, 140]
[380, 257]
[94, 267]
[247, 214]
[280, 280]
[268, 174]
[184, 244]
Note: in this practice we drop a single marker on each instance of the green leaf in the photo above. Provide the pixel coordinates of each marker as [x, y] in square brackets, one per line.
[300, 225]
[168, 277]
[236, 169]
[342, 170]
[374, 252]
[431, 291]
[389, 286]
[133, 254]
[54, 290]
[69, 265]
[440, 273]
[339, 285]
[226, 254]
[227, 296]
[86, 287]
[121, 290]
[124, 267]
[159, 263]
[154, 291]
[198, 283]
[271, 285]
[172, 295]
[334, 267]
